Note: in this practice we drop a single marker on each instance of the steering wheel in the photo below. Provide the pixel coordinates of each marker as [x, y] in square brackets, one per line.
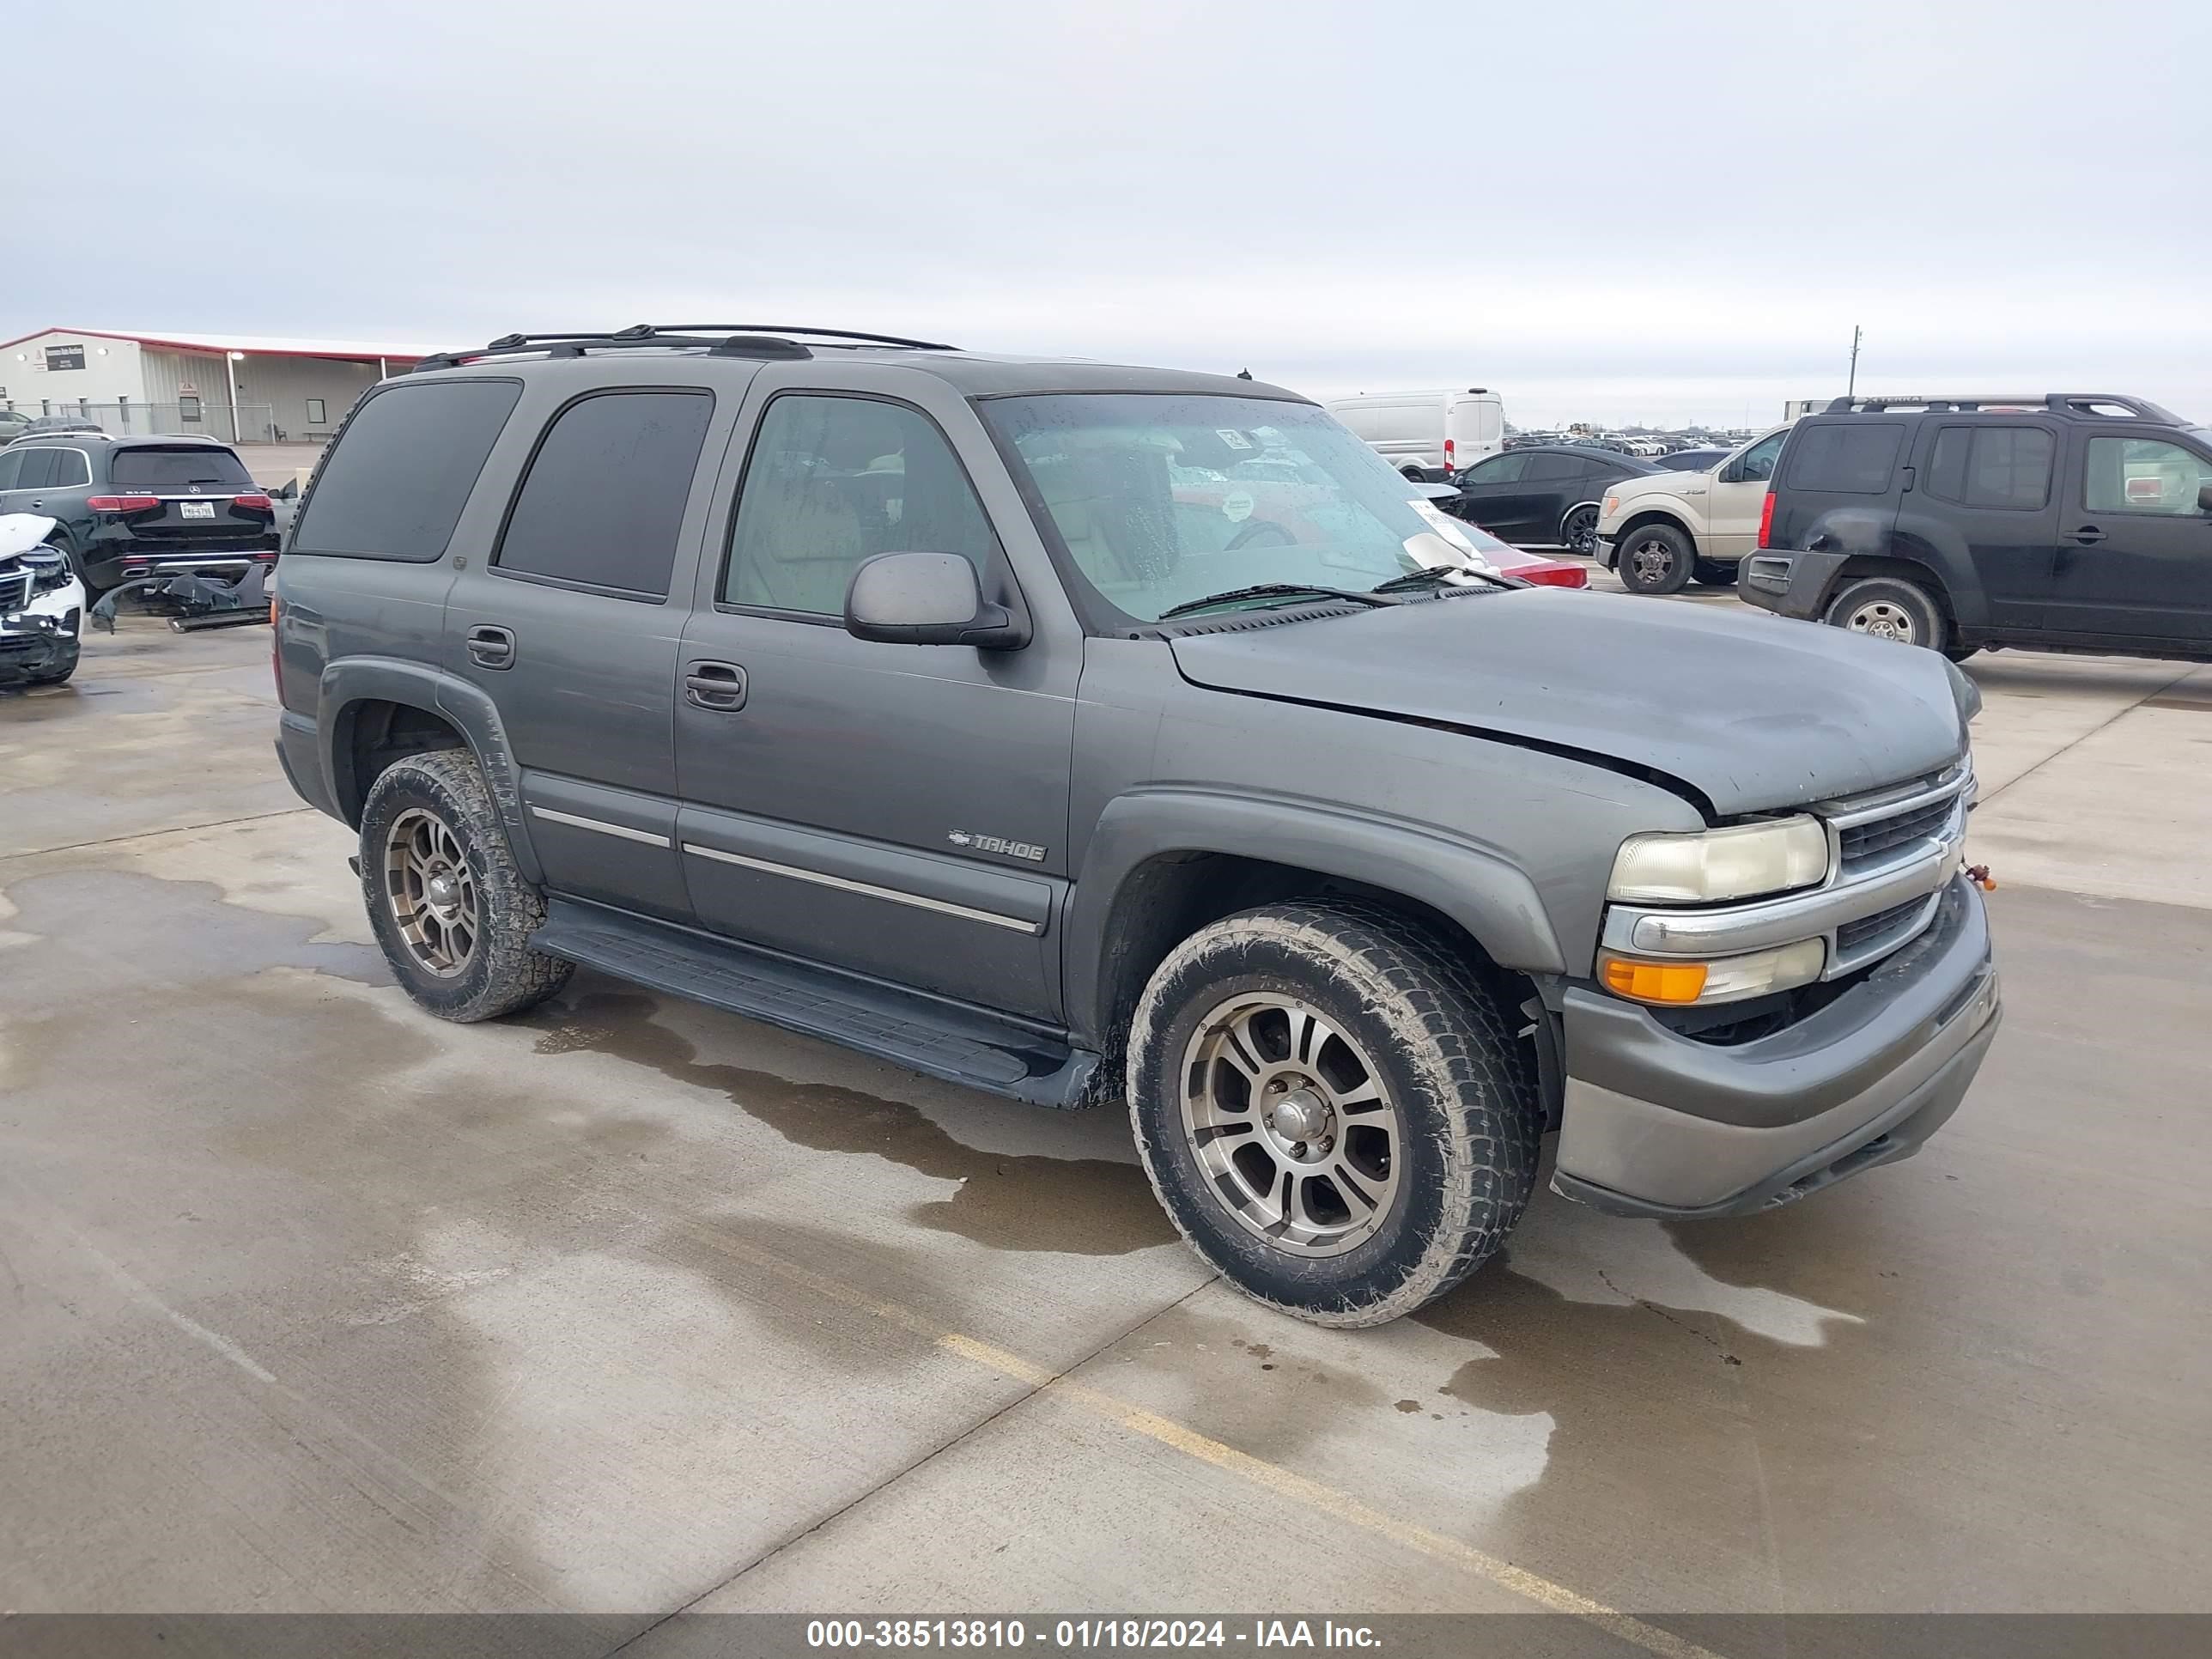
[1258, 528]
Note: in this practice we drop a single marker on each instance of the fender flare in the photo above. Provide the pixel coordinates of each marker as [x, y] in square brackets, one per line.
[351, 681]
[1492, 898]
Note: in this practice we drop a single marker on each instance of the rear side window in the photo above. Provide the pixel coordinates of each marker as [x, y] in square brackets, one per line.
[1994, 466]
[604, 495]
[36, 469]
[177, 469]
[1853, 458]
[1555, 467]
[394, 484]
[69, 470]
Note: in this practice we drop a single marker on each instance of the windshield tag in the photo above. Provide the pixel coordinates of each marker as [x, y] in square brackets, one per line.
[1237, 506]
[1232, 437]
[1443, 523]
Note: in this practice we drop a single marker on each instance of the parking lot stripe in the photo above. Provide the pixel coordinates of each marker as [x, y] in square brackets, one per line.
[1177, 1436]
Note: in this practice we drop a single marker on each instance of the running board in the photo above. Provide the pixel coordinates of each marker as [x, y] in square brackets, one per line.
[953, 1041]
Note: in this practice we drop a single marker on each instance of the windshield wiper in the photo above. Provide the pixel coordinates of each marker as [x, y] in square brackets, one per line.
[1436, 575]
[1275, 590]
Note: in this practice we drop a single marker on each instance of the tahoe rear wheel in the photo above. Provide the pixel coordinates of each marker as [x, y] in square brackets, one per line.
[1655, 558]
[1334, 1109]
[453, 913]
[1889, 608]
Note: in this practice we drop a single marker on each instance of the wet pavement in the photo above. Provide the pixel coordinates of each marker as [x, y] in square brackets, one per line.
[308, 1302]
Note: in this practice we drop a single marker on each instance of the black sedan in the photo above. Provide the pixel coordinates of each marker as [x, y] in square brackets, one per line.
[1542, 495]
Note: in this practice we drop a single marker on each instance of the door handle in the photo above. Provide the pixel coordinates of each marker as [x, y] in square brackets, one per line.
[2088, 535]
[718, 686]
[491, 647]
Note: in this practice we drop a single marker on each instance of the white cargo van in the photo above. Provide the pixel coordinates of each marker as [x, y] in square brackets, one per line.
[1426, 434]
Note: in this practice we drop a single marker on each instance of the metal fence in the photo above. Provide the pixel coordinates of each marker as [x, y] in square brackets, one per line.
[237, 423]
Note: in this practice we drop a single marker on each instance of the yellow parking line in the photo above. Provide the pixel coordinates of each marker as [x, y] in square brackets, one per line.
[1341, 1505]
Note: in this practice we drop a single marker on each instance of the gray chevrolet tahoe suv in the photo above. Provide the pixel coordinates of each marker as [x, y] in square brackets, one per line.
[1077, 732]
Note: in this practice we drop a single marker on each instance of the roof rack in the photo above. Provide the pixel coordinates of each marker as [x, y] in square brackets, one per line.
[735, 340]
[2094, 404]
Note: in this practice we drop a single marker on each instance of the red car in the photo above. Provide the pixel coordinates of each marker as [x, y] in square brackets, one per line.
[1527, 567]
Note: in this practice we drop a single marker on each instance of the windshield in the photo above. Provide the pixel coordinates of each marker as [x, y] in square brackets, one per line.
[177, 469]
[1163, 500]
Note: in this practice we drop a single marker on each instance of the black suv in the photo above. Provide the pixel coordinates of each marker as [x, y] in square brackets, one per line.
[2068, 521]
[130, 507]
[1543, 495]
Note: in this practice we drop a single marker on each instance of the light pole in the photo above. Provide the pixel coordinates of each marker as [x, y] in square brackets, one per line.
[1851, 389]
[231, 361]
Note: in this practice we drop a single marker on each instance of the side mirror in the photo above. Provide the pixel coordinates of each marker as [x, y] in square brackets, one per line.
[2205, 498]
[288, 490]
[1732, 473]
[927, 598]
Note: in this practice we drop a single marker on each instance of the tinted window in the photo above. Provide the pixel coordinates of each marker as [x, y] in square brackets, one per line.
[1998, 466]
[606, 492]
[36, 469]
[394, 485]
[1851, 458]
[832, 482]
[1499, 469]
[69, 470]
[177, 469]
[1555, 467]
[11, 464]
[2142, 475]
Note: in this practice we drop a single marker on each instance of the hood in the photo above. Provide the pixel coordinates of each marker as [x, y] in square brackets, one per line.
[1753, 713]
[22, 531]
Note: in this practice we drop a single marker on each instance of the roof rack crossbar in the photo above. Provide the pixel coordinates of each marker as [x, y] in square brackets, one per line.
[737, 340]
[2058, 403]
[819, 333]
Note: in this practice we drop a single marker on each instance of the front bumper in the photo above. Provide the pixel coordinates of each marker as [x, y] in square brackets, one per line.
[42, 638]
[1789, 584]
[1657, 1124]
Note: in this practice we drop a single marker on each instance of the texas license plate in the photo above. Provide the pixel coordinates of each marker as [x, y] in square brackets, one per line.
[196, 509]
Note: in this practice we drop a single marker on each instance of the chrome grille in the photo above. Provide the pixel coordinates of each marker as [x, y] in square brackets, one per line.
[1867, 841]
[15, 589]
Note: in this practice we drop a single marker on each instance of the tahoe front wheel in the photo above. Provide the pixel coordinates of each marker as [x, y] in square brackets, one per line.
[1334, 1109]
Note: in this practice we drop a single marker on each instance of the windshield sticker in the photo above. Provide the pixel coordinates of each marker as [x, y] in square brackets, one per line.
[1237, 506]
[1232, 437]
[1443, 523]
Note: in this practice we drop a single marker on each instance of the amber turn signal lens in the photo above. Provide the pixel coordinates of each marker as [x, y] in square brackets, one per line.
[1655, 982]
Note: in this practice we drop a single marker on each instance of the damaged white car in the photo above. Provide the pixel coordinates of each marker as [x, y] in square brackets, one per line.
[41, 605]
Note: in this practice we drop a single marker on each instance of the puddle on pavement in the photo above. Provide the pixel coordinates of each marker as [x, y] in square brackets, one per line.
[1006, 1201]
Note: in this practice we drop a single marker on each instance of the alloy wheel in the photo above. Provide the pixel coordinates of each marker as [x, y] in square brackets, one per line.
[1291, 1124]
[1581, 538]
[1653, 559]
[431, 892]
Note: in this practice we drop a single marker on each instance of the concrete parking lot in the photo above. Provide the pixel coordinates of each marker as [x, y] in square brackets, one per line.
[310, 1301]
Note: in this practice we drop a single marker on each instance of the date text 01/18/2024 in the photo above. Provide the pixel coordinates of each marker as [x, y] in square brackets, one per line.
[1085, 1634]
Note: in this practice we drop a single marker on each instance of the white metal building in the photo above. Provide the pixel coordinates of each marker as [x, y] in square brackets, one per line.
[242, 388]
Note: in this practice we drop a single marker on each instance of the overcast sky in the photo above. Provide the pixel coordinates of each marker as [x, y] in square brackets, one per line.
[1648, 211]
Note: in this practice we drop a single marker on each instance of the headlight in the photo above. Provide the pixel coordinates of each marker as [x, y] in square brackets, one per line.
[1723, 979]
[48, 571]
[1740, 862]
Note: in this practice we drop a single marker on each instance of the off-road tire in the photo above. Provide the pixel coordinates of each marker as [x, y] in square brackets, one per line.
[1906, 600]
[1672, 577]
[1443, 1039]
[503, 974]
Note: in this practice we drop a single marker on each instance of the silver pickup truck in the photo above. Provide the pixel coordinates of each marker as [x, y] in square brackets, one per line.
[1084, 733]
